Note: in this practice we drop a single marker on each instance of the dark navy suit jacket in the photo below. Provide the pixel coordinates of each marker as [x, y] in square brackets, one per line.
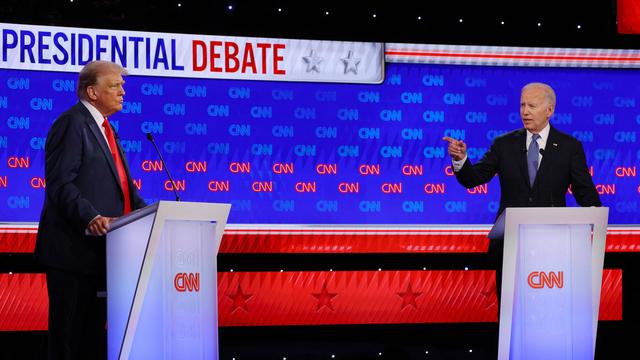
[81, 183]
[563, 164]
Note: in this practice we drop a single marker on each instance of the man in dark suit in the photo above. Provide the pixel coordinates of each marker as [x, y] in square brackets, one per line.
[88, 185]
[535, 164]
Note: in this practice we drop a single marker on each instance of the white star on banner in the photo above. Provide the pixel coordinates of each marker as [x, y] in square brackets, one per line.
[350, 63]
[313, 62]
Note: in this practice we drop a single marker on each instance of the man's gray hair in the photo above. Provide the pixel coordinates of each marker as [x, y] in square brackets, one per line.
[549, 94]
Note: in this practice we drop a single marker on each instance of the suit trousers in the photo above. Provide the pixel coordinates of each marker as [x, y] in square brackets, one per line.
[77, 318]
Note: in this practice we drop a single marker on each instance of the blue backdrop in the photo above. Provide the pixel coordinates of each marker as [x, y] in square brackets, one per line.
[328, 153]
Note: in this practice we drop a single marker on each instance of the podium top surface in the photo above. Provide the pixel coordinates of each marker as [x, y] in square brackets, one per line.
[547, 215]
[133, 216]
[183, 210]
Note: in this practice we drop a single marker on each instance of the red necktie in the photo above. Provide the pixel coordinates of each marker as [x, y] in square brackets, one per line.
[122, 175]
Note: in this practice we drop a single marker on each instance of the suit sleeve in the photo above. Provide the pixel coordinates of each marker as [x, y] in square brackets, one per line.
[471, 175]
[581, 182]
[63, 148]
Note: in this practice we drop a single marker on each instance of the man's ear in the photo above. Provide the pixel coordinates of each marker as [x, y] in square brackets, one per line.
[550, 110]
[91, 93]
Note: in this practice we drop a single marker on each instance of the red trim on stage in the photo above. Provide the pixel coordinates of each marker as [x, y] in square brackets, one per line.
[342, 241]
[322, 298]
[611, 295]
[23, 302]
[372, 297]
[356, 297]
[17, 241]
[353, 243]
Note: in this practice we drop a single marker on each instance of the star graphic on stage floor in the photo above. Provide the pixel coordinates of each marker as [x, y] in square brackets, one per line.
[350, 63]
[324, 298]
[409, 297]
[313, 62]
[239, 299]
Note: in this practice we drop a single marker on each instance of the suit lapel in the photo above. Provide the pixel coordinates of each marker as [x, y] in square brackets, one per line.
[550, 151]
[521, 141]
[97, 133]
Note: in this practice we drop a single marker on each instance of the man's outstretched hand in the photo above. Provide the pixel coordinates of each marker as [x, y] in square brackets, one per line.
[457, 148]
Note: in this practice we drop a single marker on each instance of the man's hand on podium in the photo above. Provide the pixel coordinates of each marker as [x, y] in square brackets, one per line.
[99, 225]
[457, 148]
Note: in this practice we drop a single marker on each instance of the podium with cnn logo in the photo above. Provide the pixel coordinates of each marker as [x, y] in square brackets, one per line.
[162, 281]
[551, 281]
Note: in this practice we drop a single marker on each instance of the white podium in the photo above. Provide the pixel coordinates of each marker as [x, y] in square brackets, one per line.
[551, 281]
[162, 281]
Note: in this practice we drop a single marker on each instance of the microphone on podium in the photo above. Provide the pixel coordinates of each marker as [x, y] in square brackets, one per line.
[164, 165]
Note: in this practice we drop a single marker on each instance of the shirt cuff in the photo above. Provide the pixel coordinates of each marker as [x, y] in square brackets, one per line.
[457, 164]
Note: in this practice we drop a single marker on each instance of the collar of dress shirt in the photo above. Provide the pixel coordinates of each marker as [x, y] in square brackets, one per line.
[544, 135]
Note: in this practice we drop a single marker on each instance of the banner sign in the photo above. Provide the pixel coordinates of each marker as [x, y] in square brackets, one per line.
[28, 47]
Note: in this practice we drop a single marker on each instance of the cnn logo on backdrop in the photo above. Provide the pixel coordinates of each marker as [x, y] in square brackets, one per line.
[541, 279]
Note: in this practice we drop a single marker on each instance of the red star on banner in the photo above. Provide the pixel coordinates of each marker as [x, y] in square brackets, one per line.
[409, 297]
[239, 300]
[324, 298]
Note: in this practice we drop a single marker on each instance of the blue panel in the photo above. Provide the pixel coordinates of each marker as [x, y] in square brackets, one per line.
[222, 139]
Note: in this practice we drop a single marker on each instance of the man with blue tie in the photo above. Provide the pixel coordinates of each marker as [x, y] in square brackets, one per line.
[535, 164]
[88, 185]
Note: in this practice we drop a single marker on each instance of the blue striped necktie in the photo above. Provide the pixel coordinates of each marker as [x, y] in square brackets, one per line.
[532, 158]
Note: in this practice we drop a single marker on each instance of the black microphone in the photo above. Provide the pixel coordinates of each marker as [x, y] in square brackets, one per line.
[164, 165]
[542, 151]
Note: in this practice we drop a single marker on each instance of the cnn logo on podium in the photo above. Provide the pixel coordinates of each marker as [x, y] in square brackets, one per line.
[541, 279]
[187, 282]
